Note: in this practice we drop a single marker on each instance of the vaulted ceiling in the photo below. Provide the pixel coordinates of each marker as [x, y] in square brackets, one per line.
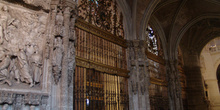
[188, 23]
[194, 22]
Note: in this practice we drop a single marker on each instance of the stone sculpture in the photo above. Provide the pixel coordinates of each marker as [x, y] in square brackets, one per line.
[36, 61]
[57, 58]
[24, 67]
[4, 64]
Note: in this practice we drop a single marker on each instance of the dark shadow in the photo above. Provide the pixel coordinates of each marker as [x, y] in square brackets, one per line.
[218, 76]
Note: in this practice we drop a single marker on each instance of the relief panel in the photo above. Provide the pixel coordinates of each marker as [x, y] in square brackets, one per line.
[22, 39]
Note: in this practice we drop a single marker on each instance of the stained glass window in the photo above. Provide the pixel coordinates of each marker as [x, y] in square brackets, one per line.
[151, 41]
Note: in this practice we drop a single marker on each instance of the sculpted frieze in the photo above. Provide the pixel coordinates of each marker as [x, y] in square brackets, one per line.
[18, 100]
[22, 36]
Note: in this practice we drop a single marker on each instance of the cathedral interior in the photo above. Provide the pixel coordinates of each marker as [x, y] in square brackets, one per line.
[109, 54]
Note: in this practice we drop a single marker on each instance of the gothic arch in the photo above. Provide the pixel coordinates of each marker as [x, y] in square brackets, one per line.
[147, 14]
[176, 41]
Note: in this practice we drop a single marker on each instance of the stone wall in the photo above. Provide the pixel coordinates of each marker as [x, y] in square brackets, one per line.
[209, 60]
[37, 54]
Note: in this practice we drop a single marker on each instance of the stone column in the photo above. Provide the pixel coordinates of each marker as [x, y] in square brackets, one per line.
[64, 75]
[139, 80]
[53, 89]
[174, 86]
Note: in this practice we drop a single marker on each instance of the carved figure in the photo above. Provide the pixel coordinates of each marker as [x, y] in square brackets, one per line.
[14, 69]
[29, 48]
[36, 60]
[59, 23]
[4, 64]
[24, 67]
[4, 21]
[57, 58]
[13, 29]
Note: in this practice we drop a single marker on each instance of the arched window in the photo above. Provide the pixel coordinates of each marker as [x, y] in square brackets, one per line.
[101, 68]
[218, 76]
[153, 43]
[158, 88]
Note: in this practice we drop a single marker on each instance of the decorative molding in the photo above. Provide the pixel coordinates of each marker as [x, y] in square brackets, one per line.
[155, 58]
[101, 67]
[158, 81]
[19, 99]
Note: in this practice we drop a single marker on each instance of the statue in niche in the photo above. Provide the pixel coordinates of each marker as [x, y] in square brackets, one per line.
[24, 67]
[59, 23]
[36, 62]
[57, 58]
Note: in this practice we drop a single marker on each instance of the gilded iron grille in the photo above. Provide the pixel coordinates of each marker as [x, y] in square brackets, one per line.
[100, 50]
[95, 90]
[104, 14]
[101, 67]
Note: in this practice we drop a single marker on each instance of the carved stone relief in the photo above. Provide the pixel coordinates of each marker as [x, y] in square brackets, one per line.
[22, 34]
